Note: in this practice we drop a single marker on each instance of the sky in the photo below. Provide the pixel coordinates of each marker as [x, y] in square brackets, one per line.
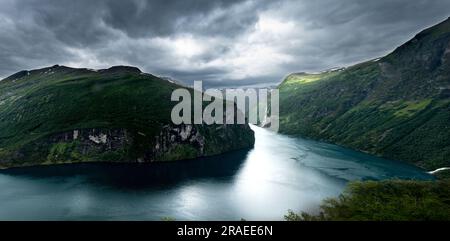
[225, 43]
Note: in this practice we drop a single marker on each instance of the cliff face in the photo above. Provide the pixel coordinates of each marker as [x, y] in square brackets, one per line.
[64, 115]
[397, 106]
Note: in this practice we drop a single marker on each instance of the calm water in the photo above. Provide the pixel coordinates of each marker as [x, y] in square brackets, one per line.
[280, 173]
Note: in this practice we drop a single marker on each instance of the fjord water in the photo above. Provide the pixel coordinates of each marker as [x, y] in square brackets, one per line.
[278, 174]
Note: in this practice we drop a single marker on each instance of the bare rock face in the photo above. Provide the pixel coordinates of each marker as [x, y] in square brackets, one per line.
[174, 142]
[86, 141]
[172, 137]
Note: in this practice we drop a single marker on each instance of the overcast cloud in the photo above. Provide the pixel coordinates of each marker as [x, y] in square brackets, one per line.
[226, 43]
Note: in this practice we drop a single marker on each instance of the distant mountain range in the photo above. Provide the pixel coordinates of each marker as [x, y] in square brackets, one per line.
[397, 106]
[64, 115]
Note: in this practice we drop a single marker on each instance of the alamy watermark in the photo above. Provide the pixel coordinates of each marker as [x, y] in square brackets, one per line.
[226, 106]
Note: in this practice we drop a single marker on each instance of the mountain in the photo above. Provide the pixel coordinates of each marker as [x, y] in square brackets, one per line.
[397, 106]
[63, 115]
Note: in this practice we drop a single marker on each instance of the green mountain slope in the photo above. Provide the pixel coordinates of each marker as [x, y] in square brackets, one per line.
[397, 106]
[62, 115]
[389, 200]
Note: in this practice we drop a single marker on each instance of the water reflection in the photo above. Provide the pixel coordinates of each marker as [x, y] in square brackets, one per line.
[139, 176]
[278, 174]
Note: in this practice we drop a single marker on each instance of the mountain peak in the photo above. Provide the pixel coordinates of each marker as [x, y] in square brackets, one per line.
[46, 70]
[427, 48]
[61, 68]
[123, 68]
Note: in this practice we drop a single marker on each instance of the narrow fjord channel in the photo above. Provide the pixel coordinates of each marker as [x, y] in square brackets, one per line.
[278, 174]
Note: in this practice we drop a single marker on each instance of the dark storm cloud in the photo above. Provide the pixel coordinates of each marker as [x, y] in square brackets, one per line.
[223, 42]
[162, 18]
[40, 32]
[355, 30]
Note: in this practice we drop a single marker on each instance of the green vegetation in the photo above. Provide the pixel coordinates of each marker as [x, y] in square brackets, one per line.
[40, 109]
[385, 201]
[59, 151]
[396, 107]
[168, 219]
[181, 152]
[58, 99]
[410, 108]
[442, 175]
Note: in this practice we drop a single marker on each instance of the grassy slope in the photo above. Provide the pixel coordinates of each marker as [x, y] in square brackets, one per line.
[39, 103]
[42, 103]
[397, 107]
[59, 99]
